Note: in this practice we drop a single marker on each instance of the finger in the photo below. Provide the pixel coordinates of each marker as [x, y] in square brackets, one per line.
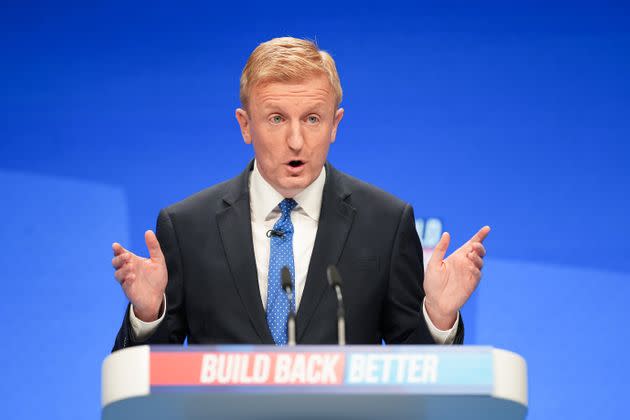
[118, 249]
[479, 249]
[440, 249]
[476, 260]
[123, 273]
[481, 235]
[121, 260]
[155, 252]
[128, 280]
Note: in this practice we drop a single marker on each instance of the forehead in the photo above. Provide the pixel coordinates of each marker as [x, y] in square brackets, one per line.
[314, 90]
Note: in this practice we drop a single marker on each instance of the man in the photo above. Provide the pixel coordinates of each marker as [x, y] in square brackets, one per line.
[213, 275]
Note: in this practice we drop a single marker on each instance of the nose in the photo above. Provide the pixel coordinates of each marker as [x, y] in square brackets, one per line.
[295, 139]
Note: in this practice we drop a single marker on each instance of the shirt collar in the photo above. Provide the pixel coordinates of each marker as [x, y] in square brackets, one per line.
[264, 199]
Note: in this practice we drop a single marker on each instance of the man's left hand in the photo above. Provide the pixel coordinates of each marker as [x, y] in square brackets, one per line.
[448, 283]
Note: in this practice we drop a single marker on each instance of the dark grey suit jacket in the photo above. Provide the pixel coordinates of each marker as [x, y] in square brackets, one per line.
[213, 295]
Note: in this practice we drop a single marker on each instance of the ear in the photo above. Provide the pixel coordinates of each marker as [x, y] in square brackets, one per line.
[243, 122]
[338, 117]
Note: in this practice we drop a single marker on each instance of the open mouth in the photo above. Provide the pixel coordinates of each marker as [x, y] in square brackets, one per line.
[296, 163]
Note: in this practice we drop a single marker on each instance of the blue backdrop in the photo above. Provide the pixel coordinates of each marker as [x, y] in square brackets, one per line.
[510, 115]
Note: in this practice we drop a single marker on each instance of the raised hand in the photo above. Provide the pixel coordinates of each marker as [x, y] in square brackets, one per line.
[143, 279]
[448, 283]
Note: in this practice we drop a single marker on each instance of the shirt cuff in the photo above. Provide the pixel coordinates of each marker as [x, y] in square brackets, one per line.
[440, 336]
[142, 330]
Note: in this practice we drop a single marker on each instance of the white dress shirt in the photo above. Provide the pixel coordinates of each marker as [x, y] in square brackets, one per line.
[265, 212]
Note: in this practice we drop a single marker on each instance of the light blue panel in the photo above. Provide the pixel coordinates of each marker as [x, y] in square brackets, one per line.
[61, 305]
[473, 368]
[570, 324]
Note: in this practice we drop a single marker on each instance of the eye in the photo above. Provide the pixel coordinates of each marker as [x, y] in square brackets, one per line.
[276, 119]
[312, 119]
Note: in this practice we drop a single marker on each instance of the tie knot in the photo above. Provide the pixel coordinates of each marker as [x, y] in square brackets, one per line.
[287, 205]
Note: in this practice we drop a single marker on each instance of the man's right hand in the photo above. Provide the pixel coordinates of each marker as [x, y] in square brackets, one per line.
[143, 279]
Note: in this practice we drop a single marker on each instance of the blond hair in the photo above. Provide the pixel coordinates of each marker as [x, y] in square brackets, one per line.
[288, 59]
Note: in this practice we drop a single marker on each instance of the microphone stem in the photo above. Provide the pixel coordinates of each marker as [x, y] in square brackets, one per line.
[291, 320]
[341, 319]
[341, 331]
[291, 328]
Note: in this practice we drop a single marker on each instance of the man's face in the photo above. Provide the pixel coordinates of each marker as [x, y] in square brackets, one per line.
[291, 126]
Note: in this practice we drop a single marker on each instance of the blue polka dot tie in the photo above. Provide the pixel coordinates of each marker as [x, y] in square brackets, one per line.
[281, 255]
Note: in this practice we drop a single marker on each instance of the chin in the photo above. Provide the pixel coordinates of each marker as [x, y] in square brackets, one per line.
[296, 184]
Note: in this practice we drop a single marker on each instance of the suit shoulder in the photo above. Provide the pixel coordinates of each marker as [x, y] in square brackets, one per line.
[205, 201]
[363, 192]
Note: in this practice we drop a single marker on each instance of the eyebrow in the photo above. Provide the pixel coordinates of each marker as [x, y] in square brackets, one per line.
[272, 105]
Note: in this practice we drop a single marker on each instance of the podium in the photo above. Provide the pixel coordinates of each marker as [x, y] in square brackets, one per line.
[314, 382]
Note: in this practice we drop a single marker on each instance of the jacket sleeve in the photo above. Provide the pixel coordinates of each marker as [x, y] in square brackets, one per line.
[174, 328]
[402, 318]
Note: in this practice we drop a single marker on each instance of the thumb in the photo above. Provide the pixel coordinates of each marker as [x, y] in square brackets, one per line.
[155, 252]
[440, 249]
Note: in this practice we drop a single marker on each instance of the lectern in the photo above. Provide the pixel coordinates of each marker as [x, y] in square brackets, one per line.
[314, 382]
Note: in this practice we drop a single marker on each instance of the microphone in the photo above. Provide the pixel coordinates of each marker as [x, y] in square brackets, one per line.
[334, 279]
[276, 233]
[287, 286]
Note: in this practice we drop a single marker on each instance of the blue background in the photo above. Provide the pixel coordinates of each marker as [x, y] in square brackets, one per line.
[512, 115]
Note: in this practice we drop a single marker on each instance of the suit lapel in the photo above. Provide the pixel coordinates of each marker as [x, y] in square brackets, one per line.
[236, 234]
[335, 221]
